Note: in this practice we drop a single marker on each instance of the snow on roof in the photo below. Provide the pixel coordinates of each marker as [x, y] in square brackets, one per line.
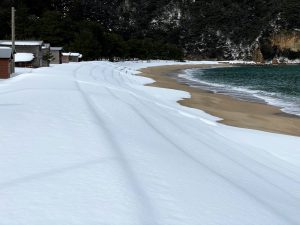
[56, 48]
[1, 47]
[80, 56]
[74, 54]
[5, 53]
[22, 43]
[66, 53]
[24, 57]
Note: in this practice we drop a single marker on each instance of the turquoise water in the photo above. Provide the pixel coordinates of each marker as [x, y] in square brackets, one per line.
[276, 85]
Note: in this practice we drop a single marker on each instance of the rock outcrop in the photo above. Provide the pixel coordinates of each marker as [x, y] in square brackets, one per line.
[287, 40]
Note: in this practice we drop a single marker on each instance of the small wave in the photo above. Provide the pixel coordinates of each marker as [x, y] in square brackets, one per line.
[287, 104]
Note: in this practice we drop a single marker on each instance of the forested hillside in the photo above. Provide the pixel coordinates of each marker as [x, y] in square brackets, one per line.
[216, 29]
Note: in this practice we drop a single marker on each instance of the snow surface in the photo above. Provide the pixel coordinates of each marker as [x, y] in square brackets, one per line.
[24, 57]
[89, 144]
[20, 70]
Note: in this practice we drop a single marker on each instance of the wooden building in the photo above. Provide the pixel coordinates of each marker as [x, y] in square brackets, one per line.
[74, 57]
[56, 53]
[5, 62]
[34, 47]
[71, 57]
[80, 57]
[65, 57]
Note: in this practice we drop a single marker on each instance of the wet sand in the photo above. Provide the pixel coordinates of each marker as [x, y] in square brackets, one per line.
[234, 112]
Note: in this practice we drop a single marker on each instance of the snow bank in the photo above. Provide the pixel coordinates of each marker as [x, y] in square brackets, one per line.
[87, 143]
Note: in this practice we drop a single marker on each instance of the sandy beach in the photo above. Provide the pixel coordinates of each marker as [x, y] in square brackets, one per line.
[233, 112]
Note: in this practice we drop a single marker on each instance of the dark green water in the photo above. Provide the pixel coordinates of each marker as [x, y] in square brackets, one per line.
[276, 85]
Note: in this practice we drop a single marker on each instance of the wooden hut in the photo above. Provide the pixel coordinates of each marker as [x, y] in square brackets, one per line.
[34, 47]
[56, 53]
[80, 57]
[5, 62]
[74, 57]
[65, 57]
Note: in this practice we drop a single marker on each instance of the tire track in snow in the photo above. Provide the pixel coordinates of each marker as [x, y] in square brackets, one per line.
[147, 213]
[176, 212]
[271, 209]
[139, 99]
[229, 158]
[228, 147]
[263, 203]
[142, 101]
[293, 198]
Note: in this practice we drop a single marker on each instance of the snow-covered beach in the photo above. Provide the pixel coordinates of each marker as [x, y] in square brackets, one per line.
[88, 143]
[257, 115]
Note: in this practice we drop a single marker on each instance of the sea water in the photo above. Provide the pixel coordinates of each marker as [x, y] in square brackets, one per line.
[275, 85]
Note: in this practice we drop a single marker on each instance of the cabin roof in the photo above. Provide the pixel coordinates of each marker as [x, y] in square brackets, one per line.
[66, 53]
[74, 54]
[5, 53]
[21, 43]
[56, 48]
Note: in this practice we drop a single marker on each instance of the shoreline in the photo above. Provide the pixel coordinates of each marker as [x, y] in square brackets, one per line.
[233, 112]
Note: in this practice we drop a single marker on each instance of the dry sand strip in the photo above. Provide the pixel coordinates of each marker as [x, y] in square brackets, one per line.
[234, 112]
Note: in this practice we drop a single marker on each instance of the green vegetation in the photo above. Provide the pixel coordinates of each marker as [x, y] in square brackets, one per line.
[152, 29]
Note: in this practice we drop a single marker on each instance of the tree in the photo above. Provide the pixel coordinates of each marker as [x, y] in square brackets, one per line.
[55, 28]
[114, 46]
[4, 20]
[147, 28]
[290, 13]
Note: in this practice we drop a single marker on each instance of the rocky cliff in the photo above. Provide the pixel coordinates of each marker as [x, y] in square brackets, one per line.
[287, 40]
[215, 29]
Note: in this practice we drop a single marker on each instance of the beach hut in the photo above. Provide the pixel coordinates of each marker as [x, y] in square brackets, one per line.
[5, 62]
[74, 57]
[56, 53]
[34, 47]
[65, 57]
[24, 59]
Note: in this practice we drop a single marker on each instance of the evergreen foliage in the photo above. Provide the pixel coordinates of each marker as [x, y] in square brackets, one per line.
[151, 29]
